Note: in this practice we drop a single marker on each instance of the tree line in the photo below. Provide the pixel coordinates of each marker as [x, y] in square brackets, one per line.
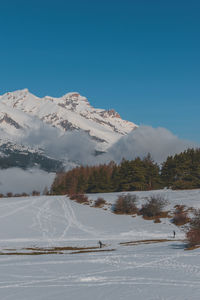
[181, 171]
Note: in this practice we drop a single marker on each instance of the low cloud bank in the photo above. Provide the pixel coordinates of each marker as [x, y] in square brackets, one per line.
[79, 148]
[75, 146]
[16, 180]
[159, 142]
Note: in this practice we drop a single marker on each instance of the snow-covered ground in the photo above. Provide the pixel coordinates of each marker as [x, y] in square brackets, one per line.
[37, 225]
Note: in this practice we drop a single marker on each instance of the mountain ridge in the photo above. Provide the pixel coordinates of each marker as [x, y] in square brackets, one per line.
[21, 112]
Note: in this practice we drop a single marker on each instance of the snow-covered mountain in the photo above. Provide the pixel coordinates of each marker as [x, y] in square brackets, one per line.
[22, 112]
[69, 112]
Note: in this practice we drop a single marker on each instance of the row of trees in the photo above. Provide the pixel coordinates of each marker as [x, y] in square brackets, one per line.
[181, 171]
[138, 174]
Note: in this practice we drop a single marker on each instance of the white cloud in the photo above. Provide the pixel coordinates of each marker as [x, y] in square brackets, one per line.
[78, 147]
[74, 146]
[16, 180]
[159, 142]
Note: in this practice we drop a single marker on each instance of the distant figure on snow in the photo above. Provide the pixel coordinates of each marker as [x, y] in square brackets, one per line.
[174, 234]
[100, 244]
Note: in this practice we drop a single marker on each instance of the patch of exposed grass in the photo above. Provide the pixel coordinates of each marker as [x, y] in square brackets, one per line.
[67, 248]
[141, 242]
[30, 253]
[44, 250]
[192, 247]
[92, 251]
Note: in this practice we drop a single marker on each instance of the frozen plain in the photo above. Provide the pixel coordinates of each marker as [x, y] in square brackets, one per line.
[135, 271]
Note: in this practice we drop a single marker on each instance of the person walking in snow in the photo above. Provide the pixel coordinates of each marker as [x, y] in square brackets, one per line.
[174, 233]
[100, 244]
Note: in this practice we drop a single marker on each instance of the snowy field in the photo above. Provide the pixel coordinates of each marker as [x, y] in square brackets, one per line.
[49, 250]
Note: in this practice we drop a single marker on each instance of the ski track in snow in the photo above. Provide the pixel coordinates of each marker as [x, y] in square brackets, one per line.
[107, 277]
[16, 210]
[104, 277]
[51, 225]
[73, 221]
[46, 219]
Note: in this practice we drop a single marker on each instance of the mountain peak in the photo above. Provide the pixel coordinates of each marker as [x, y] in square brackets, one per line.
[75, 97]
[71, 94]
[75, 102]
[23, 93]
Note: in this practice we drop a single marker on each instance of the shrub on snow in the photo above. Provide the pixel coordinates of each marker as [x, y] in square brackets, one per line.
[154, 206]
[126, 204]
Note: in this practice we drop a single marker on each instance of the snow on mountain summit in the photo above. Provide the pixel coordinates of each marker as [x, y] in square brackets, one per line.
[69, 112]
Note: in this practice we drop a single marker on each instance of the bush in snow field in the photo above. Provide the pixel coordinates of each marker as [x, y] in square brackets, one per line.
[9, 194]
[35, 193]
[180, 216]
[100, 202]
[193, 234]
[126, 204]
[154, 206]
[80, 198]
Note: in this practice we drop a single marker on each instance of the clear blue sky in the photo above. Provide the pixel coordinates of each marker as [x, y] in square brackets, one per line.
[141, 57]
